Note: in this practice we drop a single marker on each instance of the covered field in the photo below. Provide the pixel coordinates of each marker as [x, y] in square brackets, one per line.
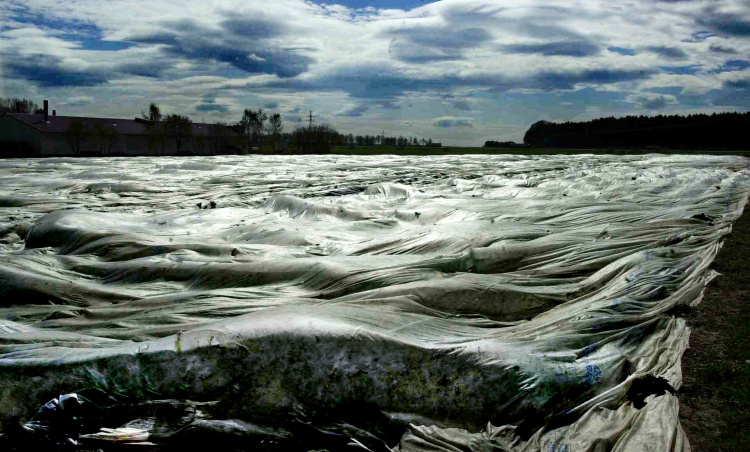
[473, 302]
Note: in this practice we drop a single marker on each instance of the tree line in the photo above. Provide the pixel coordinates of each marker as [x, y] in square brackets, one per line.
[382, 140]
[254, 130]
[312, 138]
[504, 144]
[174, 128]
[698, 131]
[16, 105]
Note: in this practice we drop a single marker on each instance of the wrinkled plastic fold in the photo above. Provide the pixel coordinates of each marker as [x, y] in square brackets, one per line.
[436, 303]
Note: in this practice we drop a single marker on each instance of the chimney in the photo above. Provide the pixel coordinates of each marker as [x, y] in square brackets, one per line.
[46, 110]
[54, 112]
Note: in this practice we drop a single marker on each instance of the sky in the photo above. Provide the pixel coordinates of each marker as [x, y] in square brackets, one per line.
[458, 72]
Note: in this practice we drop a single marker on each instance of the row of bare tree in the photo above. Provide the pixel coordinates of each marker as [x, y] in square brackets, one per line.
[179, 128]
[16, 105]
[100, 135]
[256, 128]
[253, 124]
[175, 128]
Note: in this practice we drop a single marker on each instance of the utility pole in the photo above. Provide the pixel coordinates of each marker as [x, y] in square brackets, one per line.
[311, 119]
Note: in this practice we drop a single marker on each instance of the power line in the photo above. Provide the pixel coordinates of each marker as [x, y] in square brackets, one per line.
[311, 119]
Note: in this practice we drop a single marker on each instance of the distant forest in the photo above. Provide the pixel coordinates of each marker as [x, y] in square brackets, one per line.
[504, 144]
[716, 131]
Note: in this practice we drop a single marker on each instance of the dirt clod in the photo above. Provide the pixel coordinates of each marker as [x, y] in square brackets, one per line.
[703, 217]
[645, 386]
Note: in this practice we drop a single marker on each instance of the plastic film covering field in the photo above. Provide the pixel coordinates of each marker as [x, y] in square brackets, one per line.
[443, 303]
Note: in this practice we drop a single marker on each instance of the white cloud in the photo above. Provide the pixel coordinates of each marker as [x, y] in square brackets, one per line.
[652, 101]
[79, 101]
[353, 110]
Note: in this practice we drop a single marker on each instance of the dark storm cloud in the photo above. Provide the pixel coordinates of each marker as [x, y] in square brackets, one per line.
[155, 37]
[656, 103]
[563, 48]
[380, 83]
[292, 118]
[212, 107]
[544, 23]
[241, 43]
[467, 28]
[360, 108]
[67, 28]
[386, 104]
[51, 71]
[47, 70]
[739, 97]
[254, 28]
[422, 45]
[86, 34]
[151, 69]
[360, 81]
[700, 36]
[209, 104]
[271, 105]
[733, 65]
[728, 24]
[568, 80]
[691, 100]
[737, 84]
[445, 38]
[716, 48]
[681, 70]
[452, 122]
[622, 51]
[668, 52]
[461, 105]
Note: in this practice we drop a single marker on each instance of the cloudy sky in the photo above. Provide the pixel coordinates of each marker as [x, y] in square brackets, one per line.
[456, 71]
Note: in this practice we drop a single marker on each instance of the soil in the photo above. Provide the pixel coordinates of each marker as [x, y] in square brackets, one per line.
[646, 386]
[715, 394]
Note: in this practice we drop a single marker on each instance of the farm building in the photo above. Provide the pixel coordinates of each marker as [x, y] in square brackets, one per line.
[52, 135]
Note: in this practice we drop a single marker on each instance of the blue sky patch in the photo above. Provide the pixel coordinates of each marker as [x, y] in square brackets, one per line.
[733, 65]
[681, 70]
[622, 51]
[61, 26]
[100, 44]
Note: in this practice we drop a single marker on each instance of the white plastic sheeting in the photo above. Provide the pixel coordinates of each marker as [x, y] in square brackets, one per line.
[474, 302]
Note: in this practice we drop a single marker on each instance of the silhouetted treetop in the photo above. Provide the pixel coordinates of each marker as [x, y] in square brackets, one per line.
[699, 131]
